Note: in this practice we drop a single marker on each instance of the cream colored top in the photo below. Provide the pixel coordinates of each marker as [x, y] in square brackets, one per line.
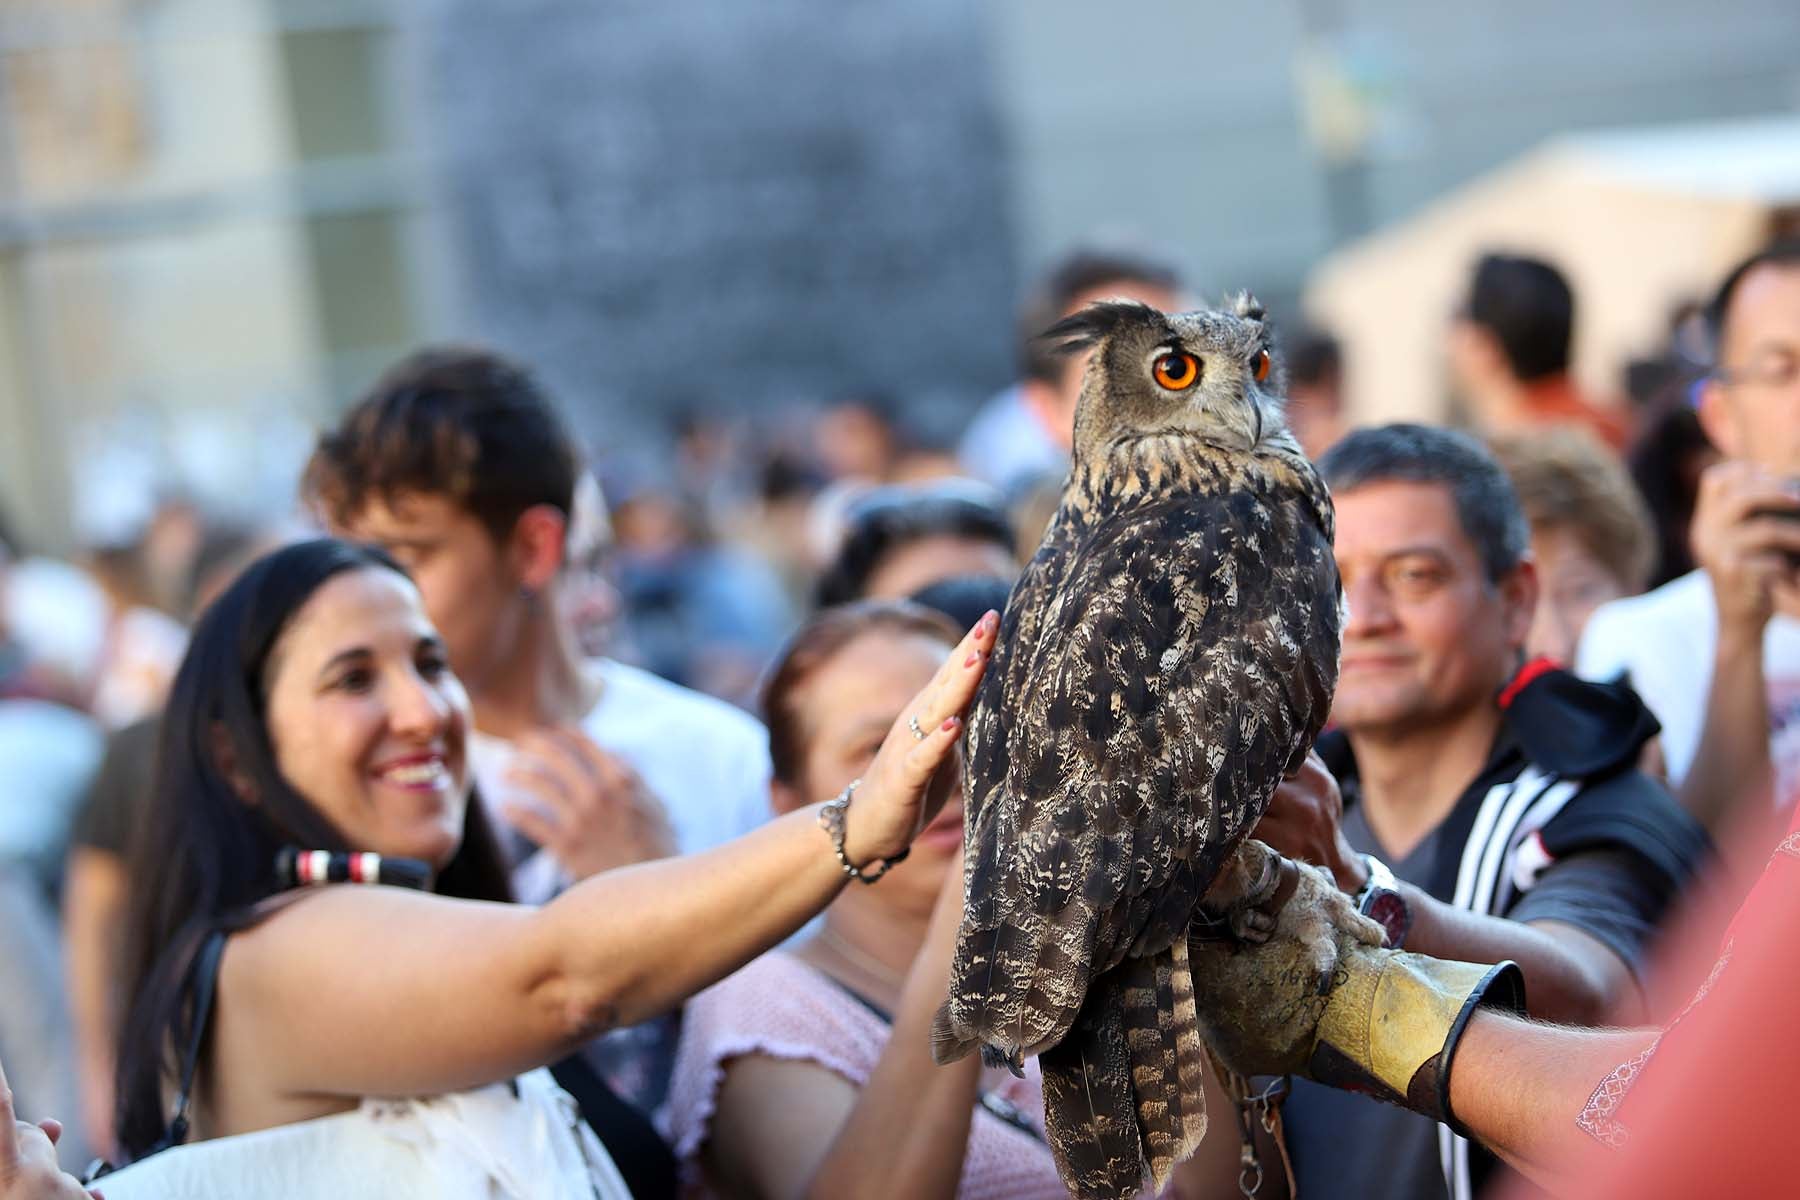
[485, 1144]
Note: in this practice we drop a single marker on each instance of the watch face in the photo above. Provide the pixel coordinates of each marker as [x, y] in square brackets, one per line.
[1388, 910]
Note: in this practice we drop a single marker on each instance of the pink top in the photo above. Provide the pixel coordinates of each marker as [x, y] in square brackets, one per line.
[784, 1008]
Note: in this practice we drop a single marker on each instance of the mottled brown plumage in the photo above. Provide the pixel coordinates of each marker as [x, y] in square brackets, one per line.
[1167, 657]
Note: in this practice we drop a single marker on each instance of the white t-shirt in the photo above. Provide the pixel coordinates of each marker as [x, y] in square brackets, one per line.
[1665, 641]
[707, 761]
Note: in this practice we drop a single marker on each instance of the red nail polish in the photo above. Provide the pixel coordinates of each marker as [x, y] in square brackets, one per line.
[972, 659]
[950, 723]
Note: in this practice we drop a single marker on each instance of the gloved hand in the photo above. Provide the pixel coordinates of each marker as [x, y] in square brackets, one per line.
[1381, 1022]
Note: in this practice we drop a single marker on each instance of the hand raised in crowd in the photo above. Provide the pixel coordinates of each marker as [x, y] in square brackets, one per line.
[589, 810]
[1746, 533]
[28, 1169]
[1305, 821]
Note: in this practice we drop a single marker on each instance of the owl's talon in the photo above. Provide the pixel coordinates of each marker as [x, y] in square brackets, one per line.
[1252, 925]
[1013, 1060]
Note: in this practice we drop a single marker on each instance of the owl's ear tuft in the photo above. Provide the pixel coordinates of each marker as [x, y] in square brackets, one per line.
[1095, 323]
[1249, 307]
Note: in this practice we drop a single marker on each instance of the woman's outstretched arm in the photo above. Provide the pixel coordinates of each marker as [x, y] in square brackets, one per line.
[378, 991]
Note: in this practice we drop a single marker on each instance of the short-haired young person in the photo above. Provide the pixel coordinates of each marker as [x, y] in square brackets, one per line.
[457, 463]
[1510, 349]
[1716, 653]
[1503, 797]
[1590, 531]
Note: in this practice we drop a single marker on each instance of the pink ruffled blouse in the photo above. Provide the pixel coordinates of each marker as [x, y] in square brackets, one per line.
[785, 1008]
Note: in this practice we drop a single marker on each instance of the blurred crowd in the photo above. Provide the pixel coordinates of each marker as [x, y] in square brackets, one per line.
[1559, 589]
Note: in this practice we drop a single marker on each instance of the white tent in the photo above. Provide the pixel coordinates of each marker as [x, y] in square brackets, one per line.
[1640, 220]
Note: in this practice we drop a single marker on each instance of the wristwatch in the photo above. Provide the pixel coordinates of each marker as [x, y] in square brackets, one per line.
[1380, 901]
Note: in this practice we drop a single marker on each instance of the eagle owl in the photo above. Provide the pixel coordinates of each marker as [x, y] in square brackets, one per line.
[1166, 659]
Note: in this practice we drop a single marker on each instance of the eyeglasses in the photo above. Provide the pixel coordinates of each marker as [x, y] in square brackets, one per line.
[1774, 368]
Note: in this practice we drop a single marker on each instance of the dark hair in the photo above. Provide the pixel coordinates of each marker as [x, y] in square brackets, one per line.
[811, 647]
[1665, 463]
[449, 421]
[1073, 275]
[888, 518]
[1784, 252]
[224, 550]
[1313, 356]
[1486, 505]
[1528, 307]
[965, 599]
[210, 854]
[1566, 480]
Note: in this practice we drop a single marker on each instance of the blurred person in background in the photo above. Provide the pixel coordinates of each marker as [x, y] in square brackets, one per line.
[457, 463]
[1671, 450]
[1314, 362]
[97, 891]
[776, 526]
[795, 1075]
[901, 538]
[856, 438]
[1025, 432]
[697, 609]
[143, 641]
[1716, 653]
[172, 539]
[1590, 532]
[48, 752]
[1667, 463]
[291, 1033]
[1509, 352]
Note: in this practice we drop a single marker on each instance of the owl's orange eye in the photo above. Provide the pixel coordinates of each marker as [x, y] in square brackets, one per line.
[1259, 365]
[1176, 370]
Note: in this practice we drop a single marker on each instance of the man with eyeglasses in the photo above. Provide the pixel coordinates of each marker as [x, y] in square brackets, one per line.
[1716, 653]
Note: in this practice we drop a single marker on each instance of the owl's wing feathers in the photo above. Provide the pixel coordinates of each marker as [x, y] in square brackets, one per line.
[1180, 668]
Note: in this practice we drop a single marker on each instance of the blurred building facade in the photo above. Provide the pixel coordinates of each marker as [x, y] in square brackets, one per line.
[213, 222]
[218, 218]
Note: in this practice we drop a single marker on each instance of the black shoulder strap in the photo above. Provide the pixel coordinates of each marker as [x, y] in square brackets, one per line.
[206, 979]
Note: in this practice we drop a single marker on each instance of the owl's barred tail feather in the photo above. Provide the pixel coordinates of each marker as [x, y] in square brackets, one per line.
[1122, 1092]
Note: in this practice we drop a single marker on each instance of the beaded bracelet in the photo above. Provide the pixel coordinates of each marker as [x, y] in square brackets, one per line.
[831, 816]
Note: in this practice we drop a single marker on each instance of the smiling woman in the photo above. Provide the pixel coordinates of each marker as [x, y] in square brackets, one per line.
[372, 1040]
[365, 715]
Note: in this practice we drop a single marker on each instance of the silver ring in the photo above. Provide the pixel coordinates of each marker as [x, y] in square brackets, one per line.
[912, 723]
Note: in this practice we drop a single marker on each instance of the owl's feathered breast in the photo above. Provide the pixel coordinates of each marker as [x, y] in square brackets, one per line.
[1168, 656]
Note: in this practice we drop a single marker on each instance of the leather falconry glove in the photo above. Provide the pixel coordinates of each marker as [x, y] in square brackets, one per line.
[1380, 1022]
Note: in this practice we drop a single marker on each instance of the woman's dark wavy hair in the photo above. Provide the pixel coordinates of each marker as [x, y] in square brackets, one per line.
[202, 856]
